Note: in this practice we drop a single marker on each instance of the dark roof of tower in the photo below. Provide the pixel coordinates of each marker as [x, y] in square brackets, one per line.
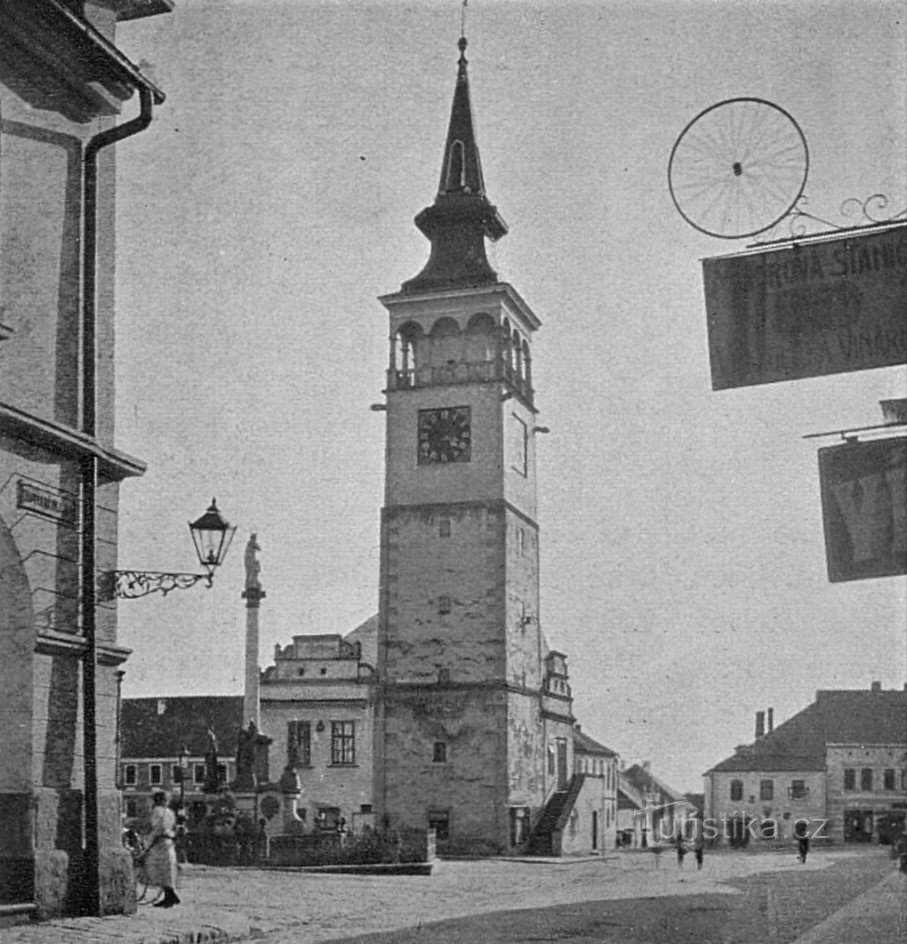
[461, 217]
[835, 717]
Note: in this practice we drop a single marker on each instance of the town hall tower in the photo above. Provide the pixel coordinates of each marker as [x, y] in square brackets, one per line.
[475, 724]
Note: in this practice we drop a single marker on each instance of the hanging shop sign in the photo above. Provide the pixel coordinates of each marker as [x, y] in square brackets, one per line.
[814, 307]
[864, 506]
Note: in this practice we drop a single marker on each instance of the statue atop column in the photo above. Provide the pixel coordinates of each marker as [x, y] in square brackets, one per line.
[253, 564]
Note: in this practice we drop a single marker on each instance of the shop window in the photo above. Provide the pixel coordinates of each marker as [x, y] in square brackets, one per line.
[439, 821]
[439, 752]
[766, 789]
[736, 789]
[343, 743]
[850, 778]
[131, 807]
[866, 778]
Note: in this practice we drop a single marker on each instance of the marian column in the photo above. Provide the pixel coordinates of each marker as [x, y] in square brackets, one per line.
[253, 595]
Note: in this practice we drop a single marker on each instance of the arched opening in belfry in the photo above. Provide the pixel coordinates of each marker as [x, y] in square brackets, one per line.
[456, 167]
[527, 365]
[517, 348]
[407, 354]
[446, 344]
[506, 346]
[482, 339]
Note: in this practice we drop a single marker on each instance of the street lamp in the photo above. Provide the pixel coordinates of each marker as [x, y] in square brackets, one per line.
[211, 534]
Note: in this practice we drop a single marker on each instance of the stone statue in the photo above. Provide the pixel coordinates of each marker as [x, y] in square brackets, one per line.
[253, 564]
[246, 749]
[211, 784]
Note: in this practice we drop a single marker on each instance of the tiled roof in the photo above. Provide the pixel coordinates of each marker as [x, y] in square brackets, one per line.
[835, 717]
[586, 745]
[160, 727]
[642, 780]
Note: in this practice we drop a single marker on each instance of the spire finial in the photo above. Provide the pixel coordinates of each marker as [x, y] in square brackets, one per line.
[463, 24]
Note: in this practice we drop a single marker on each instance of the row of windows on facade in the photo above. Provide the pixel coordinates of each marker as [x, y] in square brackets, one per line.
[195, 773]
[868, 780]
[522, 544]
[596, 765]
[798, 788]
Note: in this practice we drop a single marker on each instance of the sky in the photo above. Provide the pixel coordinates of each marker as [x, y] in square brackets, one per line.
[271, 201]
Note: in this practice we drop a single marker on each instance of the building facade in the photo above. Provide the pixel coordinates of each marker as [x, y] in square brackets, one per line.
[839, 765]
[64, 86]
[318, 708]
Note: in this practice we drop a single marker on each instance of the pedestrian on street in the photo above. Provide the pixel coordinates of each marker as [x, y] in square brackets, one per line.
[160, 857]
[801, 831]
[681, 850]
[698, 840]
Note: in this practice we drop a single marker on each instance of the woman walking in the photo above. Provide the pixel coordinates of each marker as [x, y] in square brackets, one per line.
[160, 857]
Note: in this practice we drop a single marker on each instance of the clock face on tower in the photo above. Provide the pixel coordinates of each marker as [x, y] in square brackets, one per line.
[444, 435]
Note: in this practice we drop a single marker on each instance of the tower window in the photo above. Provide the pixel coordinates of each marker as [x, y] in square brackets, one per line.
[444, 528]
[443, 605]
[439, 752]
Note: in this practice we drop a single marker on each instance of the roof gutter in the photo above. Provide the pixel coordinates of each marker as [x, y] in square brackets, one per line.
[110, 52]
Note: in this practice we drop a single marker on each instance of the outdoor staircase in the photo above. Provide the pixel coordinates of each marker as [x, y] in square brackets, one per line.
[545, 838]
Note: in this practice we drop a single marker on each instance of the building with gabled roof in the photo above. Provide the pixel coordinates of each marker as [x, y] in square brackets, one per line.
[839, 764]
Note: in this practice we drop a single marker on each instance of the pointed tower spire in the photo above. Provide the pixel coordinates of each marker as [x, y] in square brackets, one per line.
[461, 218]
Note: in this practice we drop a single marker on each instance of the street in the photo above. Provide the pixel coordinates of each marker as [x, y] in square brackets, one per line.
[738, 898]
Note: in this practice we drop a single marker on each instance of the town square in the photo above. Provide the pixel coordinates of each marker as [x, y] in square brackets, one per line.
[530, 380]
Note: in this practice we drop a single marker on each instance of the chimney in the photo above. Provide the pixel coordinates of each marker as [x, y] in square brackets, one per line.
[876, 687]
[760, 724]
[771, 720]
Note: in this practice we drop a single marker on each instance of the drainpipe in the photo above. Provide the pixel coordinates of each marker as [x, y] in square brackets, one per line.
[91, 882]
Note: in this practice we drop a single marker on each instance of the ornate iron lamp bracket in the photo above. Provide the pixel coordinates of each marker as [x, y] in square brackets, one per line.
[131, 584]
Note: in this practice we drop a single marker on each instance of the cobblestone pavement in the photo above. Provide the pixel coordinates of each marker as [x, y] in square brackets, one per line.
[779, 907]
[281, 907]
